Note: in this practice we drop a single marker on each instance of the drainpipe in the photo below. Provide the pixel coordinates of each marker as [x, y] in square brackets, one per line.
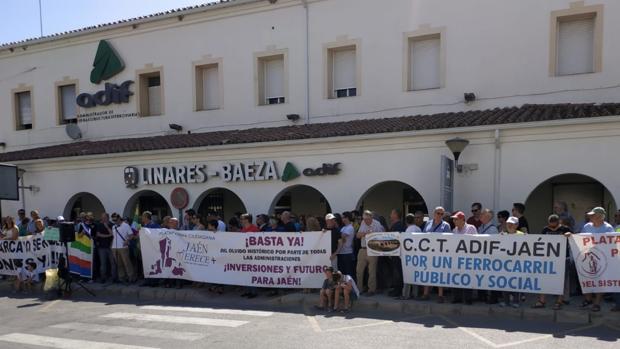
[307, 10]
[496, 177]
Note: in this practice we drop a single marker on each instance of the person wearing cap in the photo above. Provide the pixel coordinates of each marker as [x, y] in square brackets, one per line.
[597, 225]
[436, 225]
[512, 228]
[345, 256]
[332, 226]
[554, 227]
[462, 227]
[367, 226]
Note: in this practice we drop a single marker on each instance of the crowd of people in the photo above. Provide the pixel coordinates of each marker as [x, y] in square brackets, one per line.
[117, 254]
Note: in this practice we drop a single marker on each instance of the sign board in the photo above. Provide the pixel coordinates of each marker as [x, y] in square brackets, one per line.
[597, 260]
[9, 179]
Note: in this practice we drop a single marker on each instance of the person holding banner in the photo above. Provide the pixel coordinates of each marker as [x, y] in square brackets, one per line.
[597, 225]
[436, 225]
[368, 225]
[512, 228]
[462, 227]
[9, 229]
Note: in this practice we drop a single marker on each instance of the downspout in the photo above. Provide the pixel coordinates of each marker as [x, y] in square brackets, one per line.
[496, 177]
[307, 10]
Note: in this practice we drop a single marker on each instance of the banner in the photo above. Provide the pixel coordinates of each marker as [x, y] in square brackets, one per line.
[597, 259]
[383, 244]
[512, 263]
[81, 256]
[274, 260]
[15, 253]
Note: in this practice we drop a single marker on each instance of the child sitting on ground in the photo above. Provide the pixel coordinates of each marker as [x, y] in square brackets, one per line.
[26, 276]
[327, 291]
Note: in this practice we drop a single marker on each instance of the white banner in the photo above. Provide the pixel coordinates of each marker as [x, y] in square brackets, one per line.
[15, 253]
[597, 259]
[512, 263]
[283, 260]
[383, 244]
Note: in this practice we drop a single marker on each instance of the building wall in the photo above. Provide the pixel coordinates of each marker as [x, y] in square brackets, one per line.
[498, 50]
[529, 157]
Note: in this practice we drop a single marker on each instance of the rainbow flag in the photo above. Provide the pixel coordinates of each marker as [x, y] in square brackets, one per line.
[81, 256]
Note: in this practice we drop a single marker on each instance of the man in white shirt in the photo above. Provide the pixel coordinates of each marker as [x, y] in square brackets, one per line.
[120, 249]
[368, 225]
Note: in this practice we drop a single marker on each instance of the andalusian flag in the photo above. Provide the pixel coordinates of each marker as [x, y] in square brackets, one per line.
[81, 256]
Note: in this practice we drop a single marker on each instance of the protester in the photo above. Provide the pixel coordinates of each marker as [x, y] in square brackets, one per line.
[120, 249]
[26, 277]
[462, 227]
[412, 224]
[246, 224]
[39, 228]
[368, 225]
[274, 225]
[103, 241]
[34, 215]
[199, 223]
[502, 217]
[476, 210]
[188, 223]
[419, 219]
[10, 231]
[312, 224]
[512, 299]
[346, 286]
[597, 225]
[262, 221]
[560, 208]
[326, 295]
[554, 227]
[345, 256]
[23, 227]
[331, 226]
[486, 223]
[21, 215]
[395, 268]
[233, 225]
[518, 210]
[436, 225]
[617, 220]
[288, 223]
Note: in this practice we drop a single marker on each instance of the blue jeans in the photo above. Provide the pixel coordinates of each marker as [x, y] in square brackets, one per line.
[346, 264]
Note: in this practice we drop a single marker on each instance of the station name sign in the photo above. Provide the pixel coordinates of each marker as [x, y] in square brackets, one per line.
[254, 171]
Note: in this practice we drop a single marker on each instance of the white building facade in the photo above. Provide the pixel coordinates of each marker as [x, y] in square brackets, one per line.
[284, 73]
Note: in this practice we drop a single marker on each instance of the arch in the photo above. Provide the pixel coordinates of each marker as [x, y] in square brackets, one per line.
[384, 196]
[580, 192]
[147, 200]
[300, 199]
[221, 200]
[82, 202]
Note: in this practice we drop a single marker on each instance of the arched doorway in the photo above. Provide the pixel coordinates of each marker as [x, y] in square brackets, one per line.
[220, 200]
[301, 200]
[385, 196]
[147, 200]
[580, 193]
[83, 202]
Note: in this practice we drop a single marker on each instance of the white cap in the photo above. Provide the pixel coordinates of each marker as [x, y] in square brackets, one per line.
[60, 218]
[513, 220]
[329, 216]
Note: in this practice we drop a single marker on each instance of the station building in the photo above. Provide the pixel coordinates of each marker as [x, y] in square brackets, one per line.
[316, 106]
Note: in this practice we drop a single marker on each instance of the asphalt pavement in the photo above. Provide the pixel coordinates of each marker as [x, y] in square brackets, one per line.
[233, 322]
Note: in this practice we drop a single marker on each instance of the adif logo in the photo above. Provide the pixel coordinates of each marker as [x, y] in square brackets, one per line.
[106, 64]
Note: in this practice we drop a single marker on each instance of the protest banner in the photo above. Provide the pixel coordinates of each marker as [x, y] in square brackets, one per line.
[512, 263]
[275, 260]
[51, 234]
[15, 253]
[81, 256]
[597, 260]
[383, 244]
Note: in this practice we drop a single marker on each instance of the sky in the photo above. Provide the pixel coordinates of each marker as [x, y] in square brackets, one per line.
[19, 19]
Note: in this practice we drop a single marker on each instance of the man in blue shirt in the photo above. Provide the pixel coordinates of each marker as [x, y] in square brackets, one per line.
[436, 225]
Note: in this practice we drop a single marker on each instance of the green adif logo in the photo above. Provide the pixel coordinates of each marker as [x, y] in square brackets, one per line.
[290, 172]
[107, 63]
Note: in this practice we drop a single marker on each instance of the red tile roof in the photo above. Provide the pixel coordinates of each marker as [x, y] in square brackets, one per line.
[497, 116]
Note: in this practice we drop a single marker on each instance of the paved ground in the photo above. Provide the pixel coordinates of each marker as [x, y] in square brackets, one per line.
[231, 322]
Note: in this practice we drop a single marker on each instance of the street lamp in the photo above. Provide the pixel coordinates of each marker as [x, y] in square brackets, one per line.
[456, 146]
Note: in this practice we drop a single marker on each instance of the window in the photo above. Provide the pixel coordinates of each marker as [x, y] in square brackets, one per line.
[575, 46]
[151, 94]
[343, 72]
[271, 80]
[67, 104]
[23, 110]
[424, 62]
[208, 87]
[576, 40]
